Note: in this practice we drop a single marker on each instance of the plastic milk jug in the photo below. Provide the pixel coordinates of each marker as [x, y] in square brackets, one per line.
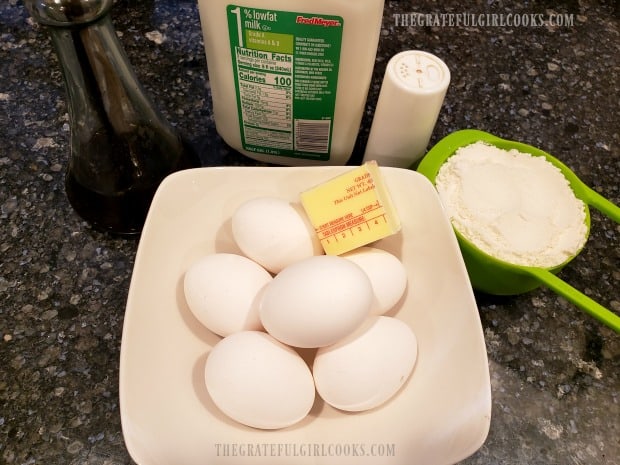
[290, 78]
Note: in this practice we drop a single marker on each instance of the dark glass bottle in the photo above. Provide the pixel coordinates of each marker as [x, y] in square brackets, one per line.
[121, 146]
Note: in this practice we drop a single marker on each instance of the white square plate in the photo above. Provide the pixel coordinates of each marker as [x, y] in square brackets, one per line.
[441, 415]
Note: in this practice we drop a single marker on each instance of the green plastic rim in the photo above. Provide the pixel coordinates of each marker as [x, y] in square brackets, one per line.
[494, 276]
[444, 149]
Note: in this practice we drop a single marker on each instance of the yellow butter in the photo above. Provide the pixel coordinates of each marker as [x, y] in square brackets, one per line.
[351, 210]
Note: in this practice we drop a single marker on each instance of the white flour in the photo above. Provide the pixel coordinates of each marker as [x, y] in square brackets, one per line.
[514, 206]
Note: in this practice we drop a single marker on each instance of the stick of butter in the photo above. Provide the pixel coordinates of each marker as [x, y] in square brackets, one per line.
[351, 210]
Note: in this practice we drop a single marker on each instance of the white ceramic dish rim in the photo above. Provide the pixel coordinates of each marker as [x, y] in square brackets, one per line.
[442, 414]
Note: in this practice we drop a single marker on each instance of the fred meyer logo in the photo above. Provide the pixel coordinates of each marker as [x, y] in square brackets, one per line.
[318, 21]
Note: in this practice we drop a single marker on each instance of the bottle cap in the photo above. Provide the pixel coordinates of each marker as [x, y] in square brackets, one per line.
[412, 92]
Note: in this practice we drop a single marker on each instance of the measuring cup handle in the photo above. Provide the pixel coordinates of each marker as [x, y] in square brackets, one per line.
[603, 205]
[584, 302]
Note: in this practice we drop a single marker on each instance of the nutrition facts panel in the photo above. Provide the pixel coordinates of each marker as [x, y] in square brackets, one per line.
[285, 67]
[266, 97]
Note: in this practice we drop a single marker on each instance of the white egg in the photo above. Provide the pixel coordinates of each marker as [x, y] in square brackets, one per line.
[316, 302]
[368, 367]
[258, 381]
[274, 232]
[387, 275]
[223, 292]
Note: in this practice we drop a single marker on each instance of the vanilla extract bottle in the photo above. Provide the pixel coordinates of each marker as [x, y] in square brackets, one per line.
[121, 146]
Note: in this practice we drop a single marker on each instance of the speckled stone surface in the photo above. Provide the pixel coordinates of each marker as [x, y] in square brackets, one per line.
[555, 372]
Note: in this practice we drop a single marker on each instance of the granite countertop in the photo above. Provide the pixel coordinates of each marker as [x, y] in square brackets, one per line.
[555, 372]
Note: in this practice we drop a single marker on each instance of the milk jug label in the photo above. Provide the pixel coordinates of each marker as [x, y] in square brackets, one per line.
[286, 72]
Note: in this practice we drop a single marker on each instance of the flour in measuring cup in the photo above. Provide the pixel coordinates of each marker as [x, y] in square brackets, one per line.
[514, 206]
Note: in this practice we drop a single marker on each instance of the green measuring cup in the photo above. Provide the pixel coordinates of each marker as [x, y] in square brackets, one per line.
[498, 277]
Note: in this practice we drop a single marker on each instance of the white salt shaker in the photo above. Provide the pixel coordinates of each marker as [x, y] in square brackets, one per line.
[411, 96]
